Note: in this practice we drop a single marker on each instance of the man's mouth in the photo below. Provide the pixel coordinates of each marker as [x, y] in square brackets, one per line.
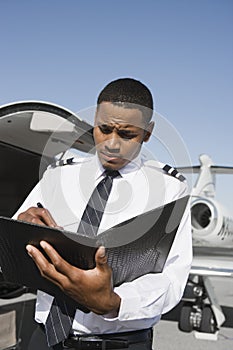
[110, 157]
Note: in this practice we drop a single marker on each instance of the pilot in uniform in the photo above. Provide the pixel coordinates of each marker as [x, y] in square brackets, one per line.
[141, 186]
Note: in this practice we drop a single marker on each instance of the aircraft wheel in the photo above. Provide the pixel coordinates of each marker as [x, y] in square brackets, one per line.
[208, 324]
[185, 324]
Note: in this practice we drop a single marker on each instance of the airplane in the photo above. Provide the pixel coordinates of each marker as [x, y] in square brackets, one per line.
[212, 234]
[34, 134]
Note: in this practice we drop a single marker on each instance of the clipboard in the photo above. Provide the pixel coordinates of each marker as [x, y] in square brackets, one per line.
[134, 248]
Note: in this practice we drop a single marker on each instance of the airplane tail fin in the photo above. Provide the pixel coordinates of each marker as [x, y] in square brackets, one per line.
[205, 184]
[206, 161]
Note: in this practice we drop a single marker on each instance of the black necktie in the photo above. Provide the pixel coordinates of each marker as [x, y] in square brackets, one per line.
[60, 318]
[93, 213]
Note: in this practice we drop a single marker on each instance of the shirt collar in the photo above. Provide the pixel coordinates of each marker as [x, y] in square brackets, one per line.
[129, 169]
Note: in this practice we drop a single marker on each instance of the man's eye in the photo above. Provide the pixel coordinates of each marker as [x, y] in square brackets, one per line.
[105, 129]
[126, 134]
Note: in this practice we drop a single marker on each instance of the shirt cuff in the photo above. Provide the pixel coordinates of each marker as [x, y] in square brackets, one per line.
[141, 303]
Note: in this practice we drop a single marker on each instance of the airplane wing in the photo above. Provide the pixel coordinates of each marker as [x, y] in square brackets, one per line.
[215, 169]
[211, 261]
[189, 169]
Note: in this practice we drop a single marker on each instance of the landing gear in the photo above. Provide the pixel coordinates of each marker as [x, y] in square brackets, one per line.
[197, 318]
[208, 323]
[200, 311]
[185, 324]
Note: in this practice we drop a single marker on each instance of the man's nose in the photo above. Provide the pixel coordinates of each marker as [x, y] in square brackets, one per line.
[113, 143]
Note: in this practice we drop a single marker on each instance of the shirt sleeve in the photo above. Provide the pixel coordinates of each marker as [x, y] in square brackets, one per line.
[154, 294]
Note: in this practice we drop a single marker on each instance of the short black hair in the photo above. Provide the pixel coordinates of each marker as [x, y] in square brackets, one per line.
[128, 93]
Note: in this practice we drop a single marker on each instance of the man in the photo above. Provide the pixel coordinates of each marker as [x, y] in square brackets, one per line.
[122, 124]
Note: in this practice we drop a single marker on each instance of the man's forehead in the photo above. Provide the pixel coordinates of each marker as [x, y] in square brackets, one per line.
[118, 122]
[108, 113]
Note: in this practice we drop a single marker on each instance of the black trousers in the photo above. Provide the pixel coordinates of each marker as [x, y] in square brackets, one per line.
[38, 342]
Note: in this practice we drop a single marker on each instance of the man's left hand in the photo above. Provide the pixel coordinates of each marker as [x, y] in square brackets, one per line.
[91, 288]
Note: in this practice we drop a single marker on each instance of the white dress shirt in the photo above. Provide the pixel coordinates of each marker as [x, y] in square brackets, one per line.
[142, 186]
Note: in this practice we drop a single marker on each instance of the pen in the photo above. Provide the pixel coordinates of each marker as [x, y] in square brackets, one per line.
[39, 205]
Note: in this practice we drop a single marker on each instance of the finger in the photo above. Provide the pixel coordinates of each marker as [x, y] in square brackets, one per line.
[40, 216]
[46, 269]
[39, 259]
[30, 216]
[46, 217]
[59, 263]
[101, 258]
[33, 220]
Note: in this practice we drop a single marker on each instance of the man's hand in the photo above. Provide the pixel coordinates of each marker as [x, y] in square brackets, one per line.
[91, 288]
[40, 216]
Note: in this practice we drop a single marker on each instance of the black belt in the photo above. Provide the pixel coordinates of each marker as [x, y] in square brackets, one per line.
[107, 341]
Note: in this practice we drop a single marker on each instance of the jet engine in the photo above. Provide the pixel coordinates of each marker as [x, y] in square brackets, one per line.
[211, 223]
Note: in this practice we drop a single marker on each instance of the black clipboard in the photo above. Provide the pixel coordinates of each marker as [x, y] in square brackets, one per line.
[135, 247]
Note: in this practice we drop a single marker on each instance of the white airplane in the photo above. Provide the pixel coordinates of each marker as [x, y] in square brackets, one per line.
[212, 231]
[30, 129]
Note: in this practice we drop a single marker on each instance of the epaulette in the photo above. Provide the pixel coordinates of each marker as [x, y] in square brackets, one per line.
[173, 172]
[62, 162]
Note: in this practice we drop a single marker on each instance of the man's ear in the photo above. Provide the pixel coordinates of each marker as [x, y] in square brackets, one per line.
[148, 131]
[95, 117]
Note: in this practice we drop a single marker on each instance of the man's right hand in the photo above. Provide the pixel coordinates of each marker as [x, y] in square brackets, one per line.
[40, 216]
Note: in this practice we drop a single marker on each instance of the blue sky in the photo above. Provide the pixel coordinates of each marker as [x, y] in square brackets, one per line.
[66, 51]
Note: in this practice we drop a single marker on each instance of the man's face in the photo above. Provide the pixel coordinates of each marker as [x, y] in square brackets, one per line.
[119, 133]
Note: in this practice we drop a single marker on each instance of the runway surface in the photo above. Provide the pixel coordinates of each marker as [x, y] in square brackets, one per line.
[167, 336]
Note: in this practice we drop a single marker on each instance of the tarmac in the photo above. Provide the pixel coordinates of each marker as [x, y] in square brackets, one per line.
[167, 336]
